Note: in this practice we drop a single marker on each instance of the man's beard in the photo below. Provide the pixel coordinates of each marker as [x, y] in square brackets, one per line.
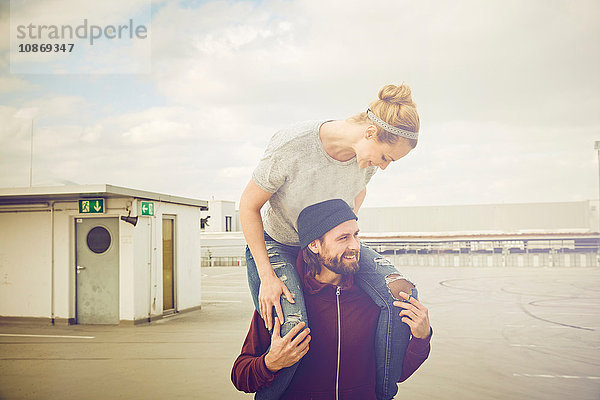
[339, 264]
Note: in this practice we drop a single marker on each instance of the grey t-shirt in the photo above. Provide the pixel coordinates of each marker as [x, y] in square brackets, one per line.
[298, 171]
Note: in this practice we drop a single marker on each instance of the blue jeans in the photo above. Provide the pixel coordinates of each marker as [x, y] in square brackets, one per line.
[392, 335]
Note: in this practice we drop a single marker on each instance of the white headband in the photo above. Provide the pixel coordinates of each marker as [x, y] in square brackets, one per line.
[390, 128]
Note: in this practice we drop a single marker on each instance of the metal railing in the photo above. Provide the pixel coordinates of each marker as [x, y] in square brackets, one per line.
[513, 252]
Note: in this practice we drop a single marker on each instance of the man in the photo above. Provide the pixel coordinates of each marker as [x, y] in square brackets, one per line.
[337, 354]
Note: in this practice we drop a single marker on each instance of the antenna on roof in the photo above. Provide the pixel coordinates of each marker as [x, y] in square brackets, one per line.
[31, 157]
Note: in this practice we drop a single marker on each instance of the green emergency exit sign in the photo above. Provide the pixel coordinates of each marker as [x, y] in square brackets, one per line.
[91, 206]
[148, 208]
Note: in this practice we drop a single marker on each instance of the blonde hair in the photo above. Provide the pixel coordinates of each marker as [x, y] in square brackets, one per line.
[396, 107]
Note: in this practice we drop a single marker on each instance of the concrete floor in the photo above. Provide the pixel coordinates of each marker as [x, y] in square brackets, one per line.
[500, 333]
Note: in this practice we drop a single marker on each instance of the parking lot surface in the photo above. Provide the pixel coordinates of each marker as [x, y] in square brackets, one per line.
[500, 333]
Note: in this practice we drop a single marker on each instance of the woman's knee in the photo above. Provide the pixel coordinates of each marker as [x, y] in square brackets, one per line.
[294, 314]
[396, 283]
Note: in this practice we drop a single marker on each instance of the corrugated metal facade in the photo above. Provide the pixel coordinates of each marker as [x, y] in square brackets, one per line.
[578, 216]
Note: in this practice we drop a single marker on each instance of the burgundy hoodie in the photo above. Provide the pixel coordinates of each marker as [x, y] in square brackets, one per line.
[317, 372]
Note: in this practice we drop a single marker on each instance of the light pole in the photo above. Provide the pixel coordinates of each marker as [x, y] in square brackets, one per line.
[31, 157]
[597, 147]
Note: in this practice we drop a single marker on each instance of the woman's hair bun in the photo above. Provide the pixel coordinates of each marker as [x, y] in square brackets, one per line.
[400, 95]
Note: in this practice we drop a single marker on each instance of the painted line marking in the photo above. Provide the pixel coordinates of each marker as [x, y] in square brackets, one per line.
[535, 345]
[564, 313]
[48, 336]
[222, 301]
[553, 313]
[547, 327]
[228, 287]
[230, 292]
[220, 275]
[557, 376]
[590, 328]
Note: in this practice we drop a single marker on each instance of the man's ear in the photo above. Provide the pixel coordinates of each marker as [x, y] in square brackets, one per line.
[314, 246]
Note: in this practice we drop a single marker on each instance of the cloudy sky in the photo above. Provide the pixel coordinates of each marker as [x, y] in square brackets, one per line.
[508, 93]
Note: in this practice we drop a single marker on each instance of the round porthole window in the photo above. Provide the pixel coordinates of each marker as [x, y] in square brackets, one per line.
[98, 239]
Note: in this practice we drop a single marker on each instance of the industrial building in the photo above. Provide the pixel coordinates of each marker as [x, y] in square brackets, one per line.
[488, 235]
[97, 254]
[555, 234]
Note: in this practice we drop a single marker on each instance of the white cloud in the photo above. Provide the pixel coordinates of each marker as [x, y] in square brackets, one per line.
[14, 84]
[15, 126]
[464, 59]
[92, 134]
[156, 132]
[235, 172]
[14, 121]
[463, 162]
[507, 93]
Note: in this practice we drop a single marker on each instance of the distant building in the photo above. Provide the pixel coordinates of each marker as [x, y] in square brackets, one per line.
[525, 234]
[560, 234]
[222, 217]
[223, 242]
[97, 254]
[577, 216]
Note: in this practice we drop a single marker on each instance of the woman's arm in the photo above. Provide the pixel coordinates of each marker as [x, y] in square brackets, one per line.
[271, 287]
[358, 200]
[252, 200]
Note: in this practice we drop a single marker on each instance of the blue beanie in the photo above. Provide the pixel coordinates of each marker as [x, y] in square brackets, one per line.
[318, 219]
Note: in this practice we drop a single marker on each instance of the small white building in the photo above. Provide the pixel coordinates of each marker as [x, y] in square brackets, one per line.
[97, 254]
[221, 217]
[223, 243]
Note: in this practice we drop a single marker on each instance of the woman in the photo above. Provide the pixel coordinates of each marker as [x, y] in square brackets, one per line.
[307, 163]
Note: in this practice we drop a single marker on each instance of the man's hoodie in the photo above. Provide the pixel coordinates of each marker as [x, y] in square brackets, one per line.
[320, 373]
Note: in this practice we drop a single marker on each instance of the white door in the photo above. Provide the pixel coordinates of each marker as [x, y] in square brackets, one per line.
[168, 265]
[97, 274]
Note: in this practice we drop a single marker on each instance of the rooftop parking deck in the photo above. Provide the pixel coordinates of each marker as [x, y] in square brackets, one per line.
[500, 333]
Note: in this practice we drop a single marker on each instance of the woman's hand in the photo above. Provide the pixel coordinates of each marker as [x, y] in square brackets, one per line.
[414, 315]
[288, 350]
[269, 296]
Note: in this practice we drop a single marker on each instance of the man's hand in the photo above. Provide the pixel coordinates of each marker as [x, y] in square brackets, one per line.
[269, 296]
[414, 315]
[288, 350]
